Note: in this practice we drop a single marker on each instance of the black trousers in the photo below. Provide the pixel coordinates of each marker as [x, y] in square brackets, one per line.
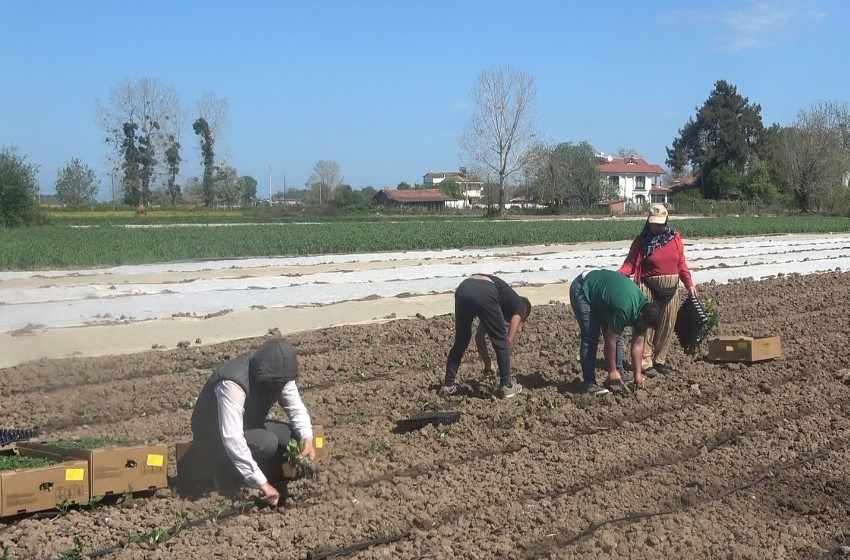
[479, 298]
[267, 445]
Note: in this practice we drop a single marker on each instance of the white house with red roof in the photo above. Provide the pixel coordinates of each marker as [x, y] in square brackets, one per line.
[637, 181]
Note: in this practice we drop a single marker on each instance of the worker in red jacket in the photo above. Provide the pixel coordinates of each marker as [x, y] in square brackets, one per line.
[656, 260]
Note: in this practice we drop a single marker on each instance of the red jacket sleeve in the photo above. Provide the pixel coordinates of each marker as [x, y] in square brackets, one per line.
[631, 261]
[684, 271]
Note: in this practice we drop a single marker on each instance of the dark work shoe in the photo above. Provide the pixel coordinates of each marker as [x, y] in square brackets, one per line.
[664, 369]
[594, 389]
[510, 391]
[447, 390]
[650, 372]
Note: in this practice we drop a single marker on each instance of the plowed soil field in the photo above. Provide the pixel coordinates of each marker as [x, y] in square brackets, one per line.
[718, 461]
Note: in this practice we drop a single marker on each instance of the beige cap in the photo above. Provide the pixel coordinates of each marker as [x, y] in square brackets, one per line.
[657, 214]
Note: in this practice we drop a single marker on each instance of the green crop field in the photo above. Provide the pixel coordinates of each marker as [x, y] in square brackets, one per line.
[48, 247]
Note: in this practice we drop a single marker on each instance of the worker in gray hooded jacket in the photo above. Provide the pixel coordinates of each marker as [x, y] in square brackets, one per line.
[229, 421]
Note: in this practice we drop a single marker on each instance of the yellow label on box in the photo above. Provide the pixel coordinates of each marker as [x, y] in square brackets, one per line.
[155, 460]
[320, 442]
[74, 475]
[743, 345]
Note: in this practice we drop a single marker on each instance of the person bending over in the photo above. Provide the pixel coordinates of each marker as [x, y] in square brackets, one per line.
[501, 312]
[607, 302]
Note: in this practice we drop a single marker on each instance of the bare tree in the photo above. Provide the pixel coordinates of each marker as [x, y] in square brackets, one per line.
[213, 109]
[500, 131]
[154, 109]
[326, 177]
[813, 156]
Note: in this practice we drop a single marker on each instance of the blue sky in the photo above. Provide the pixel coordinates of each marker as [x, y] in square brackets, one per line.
[383, 87]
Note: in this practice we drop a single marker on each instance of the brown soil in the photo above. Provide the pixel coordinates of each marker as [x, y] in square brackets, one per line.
[720, 461]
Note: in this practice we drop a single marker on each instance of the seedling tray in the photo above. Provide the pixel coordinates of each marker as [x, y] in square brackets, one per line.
[419, 420]
[116, 469]
[9, 436]
[690, 322]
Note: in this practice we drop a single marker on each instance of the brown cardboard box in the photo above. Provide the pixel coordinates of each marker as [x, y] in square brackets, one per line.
[118, 469]
[320, 443]
[43, 488]
[191, 466]
[743, 348]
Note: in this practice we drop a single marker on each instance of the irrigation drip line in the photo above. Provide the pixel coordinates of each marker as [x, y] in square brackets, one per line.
[357, 547]
[835, 550]
[637, 516]
[593, 527]
[719, 439]
[158, 536]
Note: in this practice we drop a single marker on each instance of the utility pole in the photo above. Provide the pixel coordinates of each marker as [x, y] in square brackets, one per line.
[112, 181]
[270, 185]
[284, 188]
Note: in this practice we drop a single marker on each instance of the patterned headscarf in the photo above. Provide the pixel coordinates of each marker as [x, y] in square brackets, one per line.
[651, 242]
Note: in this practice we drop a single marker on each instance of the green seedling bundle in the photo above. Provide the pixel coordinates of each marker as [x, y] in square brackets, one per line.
[15, 461]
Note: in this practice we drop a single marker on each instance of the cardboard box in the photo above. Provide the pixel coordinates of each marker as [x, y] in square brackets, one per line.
[115, 470]
[319, 443]
[191, 466]
[44, 488]
[743, 348]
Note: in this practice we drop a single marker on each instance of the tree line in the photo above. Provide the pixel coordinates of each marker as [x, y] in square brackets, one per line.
[725, 147]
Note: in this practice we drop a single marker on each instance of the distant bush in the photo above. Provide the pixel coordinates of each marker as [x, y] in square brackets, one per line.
[18, 189]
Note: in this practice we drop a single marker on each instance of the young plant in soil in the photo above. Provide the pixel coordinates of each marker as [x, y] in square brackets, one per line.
[629, 389]
[304, 468]
[75, 552]
[16, 461]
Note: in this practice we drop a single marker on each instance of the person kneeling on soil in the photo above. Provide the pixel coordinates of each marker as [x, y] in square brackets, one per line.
[500, 311]
[229, 420]
[605, 301]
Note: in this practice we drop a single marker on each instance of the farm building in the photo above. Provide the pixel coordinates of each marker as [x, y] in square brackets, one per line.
[472, 188]
[430, 199]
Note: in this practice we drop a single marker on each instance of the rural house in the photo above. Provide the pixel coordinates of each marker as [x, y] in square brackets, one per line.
[471, 188]
[636, 180]
[430, 199]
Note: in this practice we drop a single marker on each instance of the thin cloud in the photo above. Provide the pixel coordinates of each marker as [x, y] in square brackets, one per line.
[761, 24]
